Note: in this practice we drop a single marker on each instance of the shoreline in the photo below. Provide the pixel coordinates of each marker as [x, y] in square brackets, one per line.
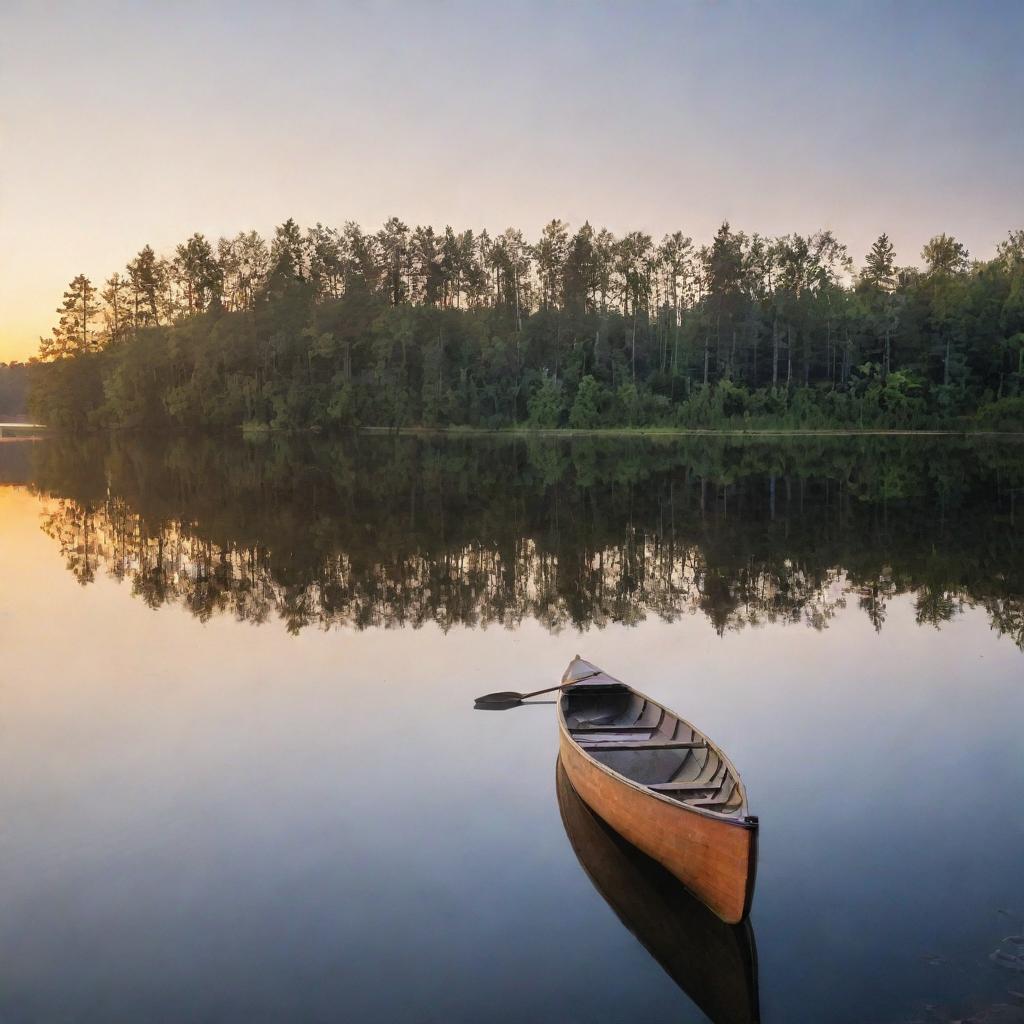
[39, 432]
[685, 432]
[14, 431]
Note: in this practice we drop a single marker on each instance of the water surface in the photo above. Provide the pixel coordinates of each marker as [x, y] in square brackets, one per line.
[241, 776]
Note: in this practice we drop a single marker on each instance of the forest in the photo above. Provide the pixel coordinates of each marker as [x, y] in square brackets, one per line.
[13, 390]
[329, 329]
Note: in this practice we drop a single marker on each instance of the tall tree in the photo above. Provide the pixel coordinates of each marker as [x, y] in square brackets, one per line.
[880, 276]
[943, 254]
[362, 261]
[288, 252]
[393, 242]
[675, 258]
[244, 265]
[636, 269]
[724, 268]
[74, 332]
[116, 296]
[1010, 252]
[510, 260]
[880, 264]
[428, 273]
[198, 274]
[579, 283]
[550, 253]
[146, 278]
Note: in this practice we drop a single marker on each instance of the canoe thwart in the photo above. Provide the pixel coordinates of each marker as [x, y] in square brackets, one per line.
[612, 728]
[684, 787]
[644, 745]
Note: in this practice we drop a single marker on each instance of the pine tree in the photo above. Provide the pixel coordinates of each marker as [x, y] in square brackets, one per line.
[116, 297]
[393, 243]
[550, 253]
[73, 334]
[198, 273]
[288, 252]
[880, 264]
[145, 275]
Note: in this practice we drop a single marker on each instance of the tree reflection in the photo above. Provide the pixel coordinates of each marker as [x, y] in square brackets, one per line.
[396, 531]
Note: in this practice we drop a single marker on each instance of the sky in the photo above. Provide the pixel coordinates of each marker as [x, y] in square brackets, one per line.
[135, 123]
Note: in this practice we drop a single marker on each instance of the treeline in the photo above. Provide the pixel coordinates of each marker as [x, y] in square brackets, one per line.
[571, 533]
[13, 390]
[339, 328]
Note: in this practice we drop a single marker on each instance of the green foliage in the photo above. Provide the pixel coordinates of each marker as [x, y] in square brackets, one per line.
[1006, 414]
[13, 390]
[545, 404]
[67, 394]
[586, 412]
[328, 329]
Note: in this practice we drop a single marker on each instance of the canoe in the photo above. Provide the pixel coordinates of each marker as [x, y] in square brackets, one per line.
[661, 784]
[714, 963]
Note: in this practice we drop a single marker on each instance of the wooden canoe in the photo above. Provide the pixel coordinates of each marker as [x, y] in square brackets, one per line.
[714, 963]
[661, 784]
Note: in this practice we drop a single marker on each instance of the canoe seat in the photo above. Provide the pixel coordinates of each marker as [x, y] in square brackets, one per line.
[683, 787]
[612, 728]
[644, 745]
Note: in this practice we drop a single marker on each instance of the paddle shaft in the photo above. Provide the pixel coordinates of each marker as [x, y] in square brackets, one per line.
[508, 697]
[537, 693]
[561, 686]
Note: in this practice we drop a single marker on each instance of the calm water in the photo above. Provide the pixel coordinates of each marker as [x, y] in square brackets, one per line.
[241, 777]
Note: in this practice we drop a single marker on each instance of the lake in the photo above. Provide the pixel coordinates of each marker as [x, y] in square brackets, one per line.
[242, 778]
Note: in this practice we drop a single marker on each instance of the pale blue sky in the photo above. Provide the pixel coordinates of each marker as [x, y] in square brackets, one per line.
[131, 123]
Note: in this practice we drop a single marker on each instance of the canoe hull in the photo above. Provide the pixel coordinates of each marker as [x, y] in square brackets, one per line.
[714, 858]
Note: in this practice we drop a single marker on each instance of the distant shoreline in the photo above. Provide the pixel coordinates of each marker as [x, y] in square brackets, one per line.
[39, 431]
[16, 431]
[685, 432]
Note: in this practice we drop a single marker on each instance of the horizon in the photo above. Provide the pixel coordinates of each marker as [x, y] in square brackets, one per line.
[656, 119]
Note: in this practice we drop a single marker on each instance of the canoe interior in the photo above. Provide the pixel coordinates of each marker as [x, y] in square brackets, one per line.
[714, 963]
[649, 745]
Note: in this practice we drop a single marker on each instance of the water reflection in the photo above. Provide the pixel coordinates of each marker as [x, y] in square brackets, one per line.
[714, 963]
[404, 531]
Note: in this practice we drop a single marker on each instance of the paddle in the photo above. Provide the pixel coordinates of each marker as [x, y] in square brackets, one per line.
[510, 698]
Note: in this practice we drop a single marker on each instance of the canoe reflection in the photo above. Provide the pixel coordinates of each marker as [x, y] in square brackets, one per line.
[714, 963]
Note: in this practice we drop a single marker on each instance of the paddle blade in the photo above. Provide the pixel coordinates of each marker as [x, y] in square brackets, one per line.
[498, 701]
